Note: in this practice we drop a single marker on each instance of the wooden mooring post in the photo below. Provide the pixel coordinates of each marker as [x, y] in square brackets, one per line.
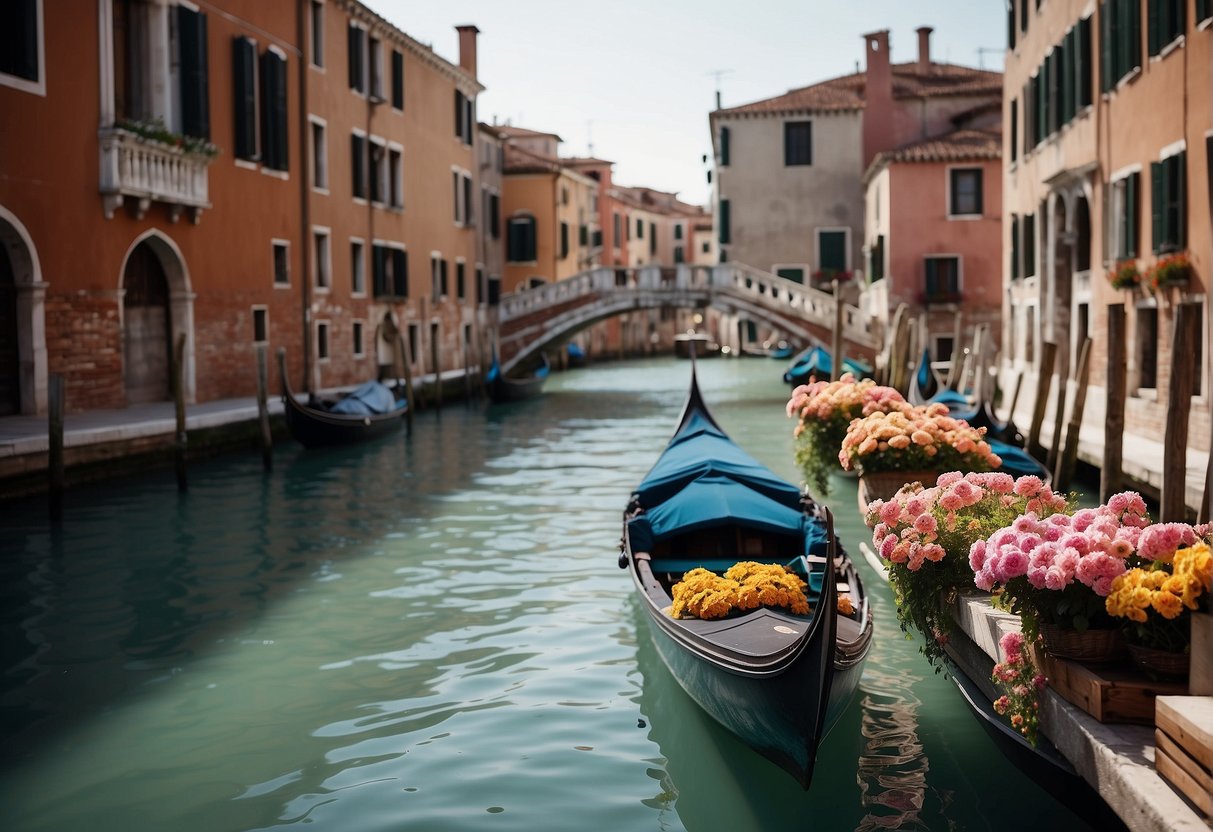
[437, 370]
[406, 363]
[836, 345]
[54, 469]
[179, 447]
[265, 438]
[1048, 351]
[1114, 410]
[1069, 456]
[1172, 504]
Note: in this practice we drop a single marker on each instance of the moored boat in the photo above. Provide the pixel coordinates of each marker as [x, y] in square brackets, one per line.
[776, 679]
[504, 389]
[368, 411]
[816, 363]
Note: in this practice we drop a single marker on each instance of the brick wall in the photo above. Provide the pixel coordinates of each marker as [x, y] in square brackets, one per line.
[84, 344]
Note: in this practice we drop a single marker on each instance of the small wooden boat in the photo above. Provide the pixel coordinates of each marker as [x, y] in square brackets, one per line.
[816, 363]
[576, 355]
[503, 389]
[923, 385]
[695, 345]
[776, 680]
[369, 411]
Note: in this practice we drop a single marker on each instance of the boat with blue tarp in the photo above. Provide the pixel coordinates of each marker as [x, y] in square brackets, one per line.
[776, 679]
[370, 410]
[505, 389]
[815, 362]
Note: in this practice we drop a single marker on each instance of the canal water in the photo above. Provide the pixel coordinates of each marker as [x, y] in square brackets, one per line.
[431, 633]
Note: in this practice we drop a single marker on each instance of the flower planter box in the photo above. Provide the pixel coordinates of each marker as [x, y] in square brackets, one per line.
[1113, 694]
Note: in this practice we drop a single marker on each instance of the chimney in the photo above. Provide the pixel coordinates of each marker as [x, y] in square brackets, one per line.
[878, 96]
[467, 47]
[924, 49]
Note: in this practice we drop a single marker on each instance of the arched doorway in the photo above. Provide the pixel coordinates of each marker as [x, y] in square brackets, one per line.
[10, 350]
[146, 327]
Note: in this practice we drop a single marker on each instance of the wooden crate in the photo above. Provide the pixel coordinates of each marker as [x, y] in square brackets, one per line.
[1183, 752]
[1112, 694]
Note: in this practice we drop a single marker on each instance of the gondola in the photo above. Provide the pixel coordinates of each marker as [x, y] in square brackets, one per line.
[816, 362]
[369, 411]
[576, 355]
[924, 384]
[776, 680]
[502, 389]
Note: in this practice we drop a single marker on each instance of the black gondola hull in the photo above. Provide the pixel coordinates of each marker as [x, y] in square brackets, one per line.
[315, 428]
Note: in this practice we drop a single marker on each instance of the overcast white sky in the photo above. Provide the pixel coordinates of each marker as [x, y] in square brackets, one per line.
[635, 77]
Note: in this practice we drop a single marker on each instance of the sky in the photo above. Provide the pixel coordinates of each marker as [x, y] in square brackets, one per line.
[634, 81]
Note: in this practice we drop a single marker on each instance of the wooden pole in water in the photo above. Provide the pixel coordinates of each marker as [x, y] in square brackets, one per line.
[179, 446]
[1114, 410]
[406, 361]
[264, 437]
[1067, 460]
[954, 365]
[1172, 503]
[55, 478]
[1048, 351]
[437, 369]
[836, 344]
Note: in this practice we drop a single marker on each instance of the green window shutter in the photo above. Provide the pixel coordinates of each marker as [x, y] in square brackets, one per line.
[397, 80]
[244, 97]
[1084, 66]
[1204, 9]
[1029, 245]
[1181, 206]
[192, 73]
[833, 246]
[932, 276]
[273, 111]
[724, 146]
[1132, 10]
[725, 230]
[1011, 24]
[1013, 140]
[1158, 201]
[878, 259]
[1014, 247]
[356, 37]
[1105, 46]
[1154, 21]
[1132, 212]
[1067, 78]
[791, 274]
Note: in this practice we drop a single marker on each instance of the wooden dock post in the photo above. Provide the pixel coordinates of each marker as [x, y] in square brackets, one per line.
[54, 470]
[265, 437]
[406, 362]
[434, 357]
[1069, 457]
[1048, 351]
[1059, 422]
[1172, 503]
[1114, 410]
[836, 346]
[179, 447]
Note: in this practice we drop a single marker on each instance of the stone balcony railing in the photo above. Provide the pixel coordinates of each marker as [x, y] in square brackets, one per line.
[146, 170]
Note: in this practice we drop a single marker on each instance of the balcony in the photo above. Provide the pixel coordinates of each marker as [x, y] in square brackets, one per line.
[147, 169]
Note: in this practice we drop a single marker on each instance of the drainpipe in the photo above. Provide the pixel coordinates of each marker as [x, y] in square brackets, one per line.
[305, 202]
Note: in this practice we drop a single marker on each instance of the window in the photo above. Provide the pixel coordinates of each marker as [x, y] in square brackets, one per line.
[1167, 204]
[260, 325]
[395, 174]
[389, 271]
[1012, 140]
[677, 231]
[1124, 211]
[397, 80]
[1023, 15]
[639, 229]
[145, 33]
[1082, 242]
[479, 284]
[618, 237]
[942, 279]
[1120, 36]
[273, 109]
[1029, 245]
[795, 273]
[1082, 329]
[358, 164]
[1166, 23]
[244, 97]
[282, 267]
[357, 58]
[320, 152]
[414, 339]
[457, 197]
[460, 279]
[725, 230]
[468, 214]
[564, 240]
[876, 267]
[21, 58]
[375, 67]
[1029, 337]
[322, 340]
[357, 267]
[583, 235]
[964, 192]
[520, 244]
[1204, 10]
[1147, 347]
[679, 257]
[359, 346]
[1010, 24]
[377, 169]
[706, 247]
[438, 276]
[321, 265]
[1198, 362]
[465, 119]
[317, 33]
[652, 238]
[1015, 247]
[495, 216]
[831, 253]
[724, 147]
[797, 143]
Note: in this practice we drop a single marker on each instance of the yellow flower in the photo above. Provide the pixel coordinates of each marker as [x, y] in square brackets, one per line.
[1167, 605]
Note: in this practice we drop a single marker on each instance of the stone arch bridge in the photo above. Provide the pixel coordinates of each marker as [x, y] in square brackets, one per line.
[548, 315]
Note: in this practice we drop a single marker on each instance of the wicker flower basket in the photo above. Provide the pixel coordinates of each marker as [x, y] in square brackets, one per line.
[882, 485]
[1161, 662]
[1091, 646]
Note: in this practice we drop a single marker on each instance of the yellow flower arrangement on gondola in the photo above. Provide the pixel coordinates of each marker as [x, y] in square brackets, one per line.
[1154, 597]
[745, 586]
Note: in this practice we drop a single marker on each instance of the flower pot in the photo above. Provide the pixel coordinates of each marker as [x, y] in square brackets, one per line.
[882, 485]
[1200, 676]
[1091, 646]
[1159, 662]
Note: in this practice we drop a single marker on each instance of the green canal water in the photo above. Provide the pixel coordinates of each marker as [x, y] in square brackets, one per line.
[431, 633]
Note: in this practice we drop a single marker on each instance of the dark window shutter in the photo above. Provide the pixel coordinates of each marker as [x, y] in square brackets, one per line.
[932, 276]
[1154, 35]
[1204, 9]
[1158, 201]
[400, 272]
[1014, 137]
[1132, 212]
[724, 146]
[1083, 78]
[1023, 15]
[652, 238]
[469, 119]
[725, 230]
[1069, 96]
[460, 281]
[442, 277]
[273, 111]
[1011, 24]
[379, 271]
[19, 38]
[358, 164]
[397, 80]
[1181, 200]
[244, 96]
[1029, 245]
[1132, 14]
[192, 75]
[458, 114]
[564, 240]
[1105, 45]
[1014, 246]
[357, 41]
[495, 216]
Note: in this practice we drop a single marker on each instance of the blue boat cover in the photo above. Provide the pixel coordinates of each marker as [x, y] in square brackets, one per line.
[817, 362]
[366, 399]
[575, 350]
[1016, 461]
[700, 448]
[954, 401]
[719, 501]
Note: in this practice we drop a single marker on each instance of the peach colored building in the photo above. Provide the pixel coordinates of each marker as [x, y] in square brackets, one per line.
[259, 174]
[1107, 162]
[933, 232]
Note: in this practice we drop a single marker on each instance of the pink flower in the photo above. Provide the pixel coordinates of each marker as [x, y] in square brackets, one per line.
[1028, 486]
[948, 478]
[878, 534]
[977, 555]
[1083, 518]
[1012, 564]
[890, 512]
[1011, 643]
[887, 545]
[1159, 542]
[951, 502]
[925, 524]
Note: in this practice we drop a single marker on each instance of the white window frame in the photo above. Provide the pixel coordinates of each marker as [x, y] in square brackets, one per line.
[318, 167]
[460, 261]
[804, 267]
[326, 326]
[378, 242]
[952, 215]
[358, 330]
[460, 216]
[24, 84]
[275, 243]
[817, 245]
[1202, 331]
[253, 310]
[1140, 392]
[366, 49]
[254, 163]
[436, 276]
[316, 59]
[377, 170]
[322, 267]
[395, 177]
[361, 200]
[360, 268]
[1116, 208]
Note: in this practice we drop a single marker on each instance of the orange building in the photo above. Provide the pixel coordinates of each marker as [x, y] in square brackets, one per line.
[240, 174]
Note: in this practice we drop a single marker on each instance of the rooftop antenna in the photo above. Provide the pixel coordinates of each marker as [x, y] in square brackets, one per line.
[981, 54]
[589, 133]
[718, 74]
